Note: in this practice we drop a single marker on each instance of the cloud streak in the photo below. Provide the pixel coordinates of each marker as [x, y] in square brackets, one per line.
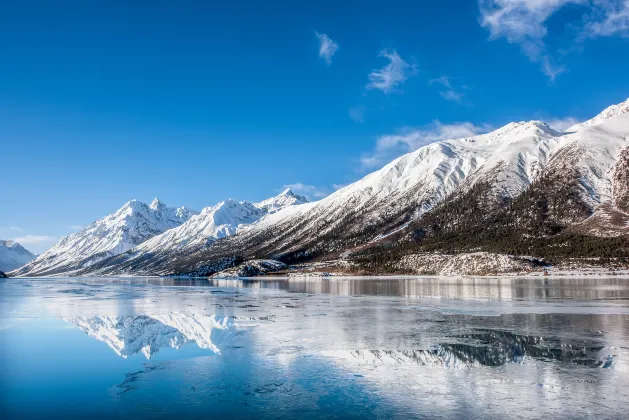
[35, 239]
[391, 146]
[357, 113]
[524, 22]
[10, 230]
[387, 78]
[615, 20]
[562, 124]
[447, 91]
[327, 47]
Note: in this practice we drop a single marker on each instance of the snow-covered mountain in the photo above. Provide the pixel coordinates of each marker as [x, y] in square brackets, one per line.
[200, 230]
[132, 224]
[568, 174]
[147, 334]
[607, 114]
[224, 219]
[13, 255]
[510, 160]
[277, 203]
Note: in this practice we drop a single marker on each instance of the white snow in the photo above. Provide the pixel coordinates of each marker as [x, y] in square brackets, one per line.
[13, 255]
[598, 149]
[224, 219]
[132, 224]
[285, 199]
[607, 114]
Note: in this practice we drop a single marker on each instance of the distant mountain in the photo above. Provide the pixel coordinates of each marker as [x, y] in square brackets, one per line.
[132, 224]
[13, 255]
[277, 203]
[198, 231]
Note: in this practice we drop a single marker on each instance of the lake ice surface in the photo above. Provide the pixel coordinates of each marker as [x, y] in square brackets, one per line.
[315, 347]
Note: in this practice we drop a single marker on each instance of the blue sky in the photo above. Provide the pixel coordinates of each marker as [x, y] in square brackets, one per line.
[196, 102]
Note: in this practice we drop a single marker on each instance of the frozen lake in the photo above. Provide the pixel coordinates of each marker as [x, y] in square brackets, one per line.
[318, 347]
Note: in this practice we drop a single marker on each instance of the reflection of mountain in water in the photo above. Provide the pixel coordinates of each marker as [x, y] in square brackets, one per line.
[605, 288]
[489, 348]
[129, 335]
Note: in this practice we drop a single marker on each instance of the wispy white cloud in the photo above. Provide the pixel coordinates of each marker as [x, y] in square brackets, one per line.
[36, 243]
[77, 227]
[391, 146]
[10, 230]
[393, 74]
[524, 22]
[339, 186]
[357, 113]
[327, 47]
[310, 191]
[551, 70]
[447, 91]
[35, 240]
[562, 124]
[614, 20]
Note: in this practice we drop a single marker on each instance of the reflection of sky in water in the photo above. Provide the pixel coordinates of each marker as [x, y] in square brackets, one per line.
[373, 348]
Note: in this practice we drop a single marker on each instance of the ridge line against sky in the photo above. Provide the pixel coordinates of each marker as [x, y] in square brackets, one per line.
[197, 103]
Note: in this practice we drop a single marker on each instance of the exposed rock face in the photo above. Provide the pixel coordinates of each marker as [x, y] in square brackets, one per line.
[471, 264]
[252, 268]
[2, 275]
[620, 182]
[606, 222]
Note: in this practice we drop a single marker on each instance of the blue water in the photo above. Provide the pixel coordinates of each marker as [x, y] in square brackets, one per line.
[314, 348]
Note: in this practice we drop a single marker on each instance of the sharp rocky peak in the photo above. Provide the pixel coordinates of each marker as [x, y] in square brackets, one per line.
[156, 204]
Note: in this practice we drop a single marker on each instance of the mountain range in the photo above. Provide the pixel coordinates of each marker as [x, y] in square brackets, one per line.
[524, 189]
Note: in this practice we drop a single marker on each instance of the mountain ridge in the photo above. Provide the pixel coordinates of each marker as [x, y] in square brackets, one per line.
[524, 176]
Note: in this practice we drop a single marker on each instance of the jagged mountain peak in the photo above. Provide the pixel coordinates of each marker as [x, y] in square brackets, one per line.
[132, 224]
[285, 199]
[608, 113]
[132, 207]
[13, 255]
[288, 192]
[156, 204]
[227, 218]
